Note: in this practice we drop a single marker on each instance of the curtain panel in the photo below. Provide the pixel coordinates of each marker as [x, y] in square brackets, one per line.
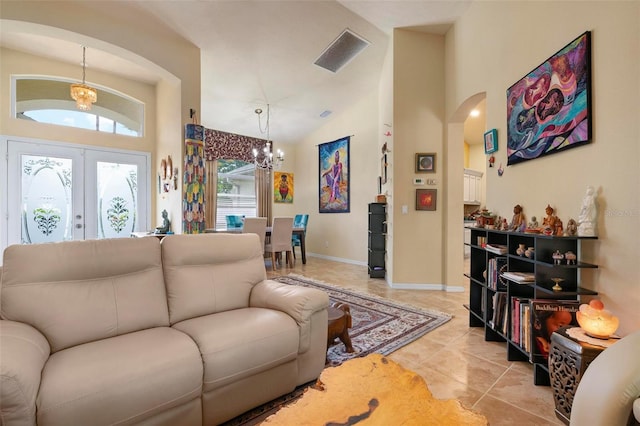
[230, 146]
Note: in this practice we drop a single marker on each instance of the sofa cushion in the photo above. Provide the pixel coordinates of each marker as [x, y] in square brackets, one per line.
[123, 379]
[209, 273]
[241, 343]
[82, 291]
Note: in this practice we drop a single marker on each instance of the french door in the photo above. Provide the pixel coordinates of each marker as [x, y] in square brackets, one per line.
[59, 192]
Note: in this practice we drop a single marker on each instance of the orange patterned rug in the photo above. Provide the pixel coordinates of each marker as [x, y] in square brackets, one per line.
[372, 390]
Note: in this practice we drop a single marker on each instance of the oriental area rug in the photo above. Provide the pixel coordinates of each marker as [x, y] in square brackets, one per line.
[378, 325]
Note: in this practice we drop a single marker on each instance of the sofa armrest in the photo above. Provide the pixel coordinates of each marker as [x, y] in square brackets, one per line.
[298, 302]
[610, 386]
[23, 353]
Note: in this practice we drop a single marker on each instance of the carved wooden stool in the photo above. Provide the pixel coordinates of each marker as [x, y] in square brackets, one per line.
[568, 360]
[339, 325]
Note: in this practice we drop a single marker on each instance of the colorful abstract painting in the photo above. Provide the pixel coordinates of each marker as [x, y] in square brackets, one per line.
[282, 187]
[334, 176]
[549, 110]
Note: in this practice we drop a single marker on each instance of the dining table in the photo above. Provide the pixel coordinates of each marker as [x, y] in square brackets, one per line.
[300, 232]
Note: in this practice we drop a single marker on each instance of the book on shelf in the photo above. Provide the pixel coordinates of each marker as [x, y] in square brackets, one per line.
[499, 318]
[497, 265]
[496, 248]
[546, 317]
[519, 276]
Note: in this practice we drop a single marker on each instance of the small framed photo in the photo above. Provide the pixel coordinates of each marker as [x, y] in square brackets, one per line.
[491, 141]
[426, 199]
[425, 163]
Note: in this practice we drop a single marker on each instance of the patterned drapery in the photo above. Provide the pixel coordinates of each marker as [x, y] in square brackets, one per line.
[229, 146]
[193, 203]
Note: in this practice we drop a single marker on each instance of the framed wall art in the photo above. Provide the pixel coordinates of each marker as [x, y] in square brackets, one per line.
[334, 183]
[425, 163]
[282, 187]
[426, 199]
[491, 141]
[549, 109]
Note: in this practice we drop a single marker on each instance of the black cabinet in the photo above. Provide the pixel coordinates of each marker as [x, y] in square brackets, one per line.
[377, 239]
[502, 305]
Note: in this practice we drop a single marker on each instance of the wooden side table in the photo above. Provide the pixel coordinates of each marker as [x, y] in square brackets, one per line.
[568, 360]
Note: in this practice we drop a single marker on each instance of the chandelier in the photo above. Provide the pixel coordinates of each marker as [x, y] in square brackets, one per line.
[267, 161]
[81, 93]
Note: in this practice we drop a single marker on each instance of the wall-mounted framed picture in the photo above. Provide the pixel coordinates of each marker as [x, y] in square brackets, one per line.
[426, 199]
[425, 162]
[282, 187]
[491, 141]
[549, 109]
[334, 183]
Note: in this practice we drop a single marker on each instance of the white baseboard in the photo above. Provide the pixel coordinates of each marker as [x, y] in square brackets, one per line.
[397, 286]
[337, 259]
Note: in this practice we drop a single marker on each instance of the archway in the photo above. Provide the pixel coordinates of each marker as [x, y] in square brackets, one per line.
[453, 148]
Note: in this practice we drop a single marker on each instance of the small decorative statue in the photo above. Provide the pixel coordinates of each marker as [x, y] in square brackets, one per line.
[505, 225]
[570, 257]
[549, 222]
[588, 213]
[534, 223]
[572, 228]
[558, 227]
[166, 224]
[518, 218]
[557, 257]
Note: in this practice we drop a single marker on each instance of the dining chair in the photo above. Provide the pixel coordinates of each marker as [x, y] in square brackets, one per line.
[299, 221]
[280, 240]
[256, 225]
[234, 221]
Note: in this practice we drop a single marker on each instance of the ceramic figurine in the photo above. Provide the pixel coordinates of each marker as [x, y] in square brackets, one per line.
[588, 214]
[549, 222]
[571, 257]
[518, 218]
[558, 227]
[572, 228]
[534, 223]
[505, 225]
[530, 253]
[166, 224]
[557, 257]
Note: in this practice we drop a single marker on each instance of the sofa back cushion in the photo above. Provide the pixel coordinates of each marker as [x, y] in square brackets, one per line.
[209, 273]
[80, 291]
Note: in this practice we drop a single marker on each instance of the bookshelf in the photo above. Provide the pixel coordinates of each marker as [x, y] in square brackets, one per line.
[377, 237]
[502, 306]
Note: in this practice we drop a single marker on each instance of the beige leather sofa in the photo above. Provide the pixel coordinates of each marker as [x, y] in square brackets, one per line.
[133, 331]
[609, 391]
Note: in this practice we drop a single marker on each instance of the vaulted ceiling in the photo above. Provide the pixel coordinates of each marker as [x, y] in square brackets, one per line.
[256, 53]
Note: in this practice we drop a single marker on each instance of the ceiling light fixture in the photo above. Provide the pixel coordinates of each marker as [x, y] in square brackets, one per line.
[81, 93]
[267, 161]
[474, 113]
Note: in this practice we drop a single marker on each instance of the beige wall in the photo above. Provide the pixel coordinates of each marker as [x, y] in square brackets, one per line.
[493, 46]
[340, 235]
[124, 32]
[418, 126]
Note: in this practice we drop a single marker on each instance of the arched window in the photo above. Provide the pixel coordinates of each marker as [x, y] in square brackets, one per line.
[47, 100]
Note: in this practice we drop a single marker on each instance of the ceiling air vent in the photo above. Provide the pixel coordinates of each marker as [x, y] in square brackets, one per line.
[341, 51]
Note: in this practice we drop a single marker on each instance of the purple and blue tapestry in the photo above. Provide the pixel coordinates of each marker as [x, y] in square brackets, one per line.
[549, 110]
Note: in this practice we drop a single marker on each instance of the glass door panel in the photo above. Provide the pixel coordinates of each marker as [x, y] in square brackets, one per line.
[44, 197]
[58, 192]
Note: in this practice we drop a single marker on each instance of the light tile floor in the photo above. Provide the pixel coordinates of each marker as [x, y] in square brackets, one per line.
[454, 359]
